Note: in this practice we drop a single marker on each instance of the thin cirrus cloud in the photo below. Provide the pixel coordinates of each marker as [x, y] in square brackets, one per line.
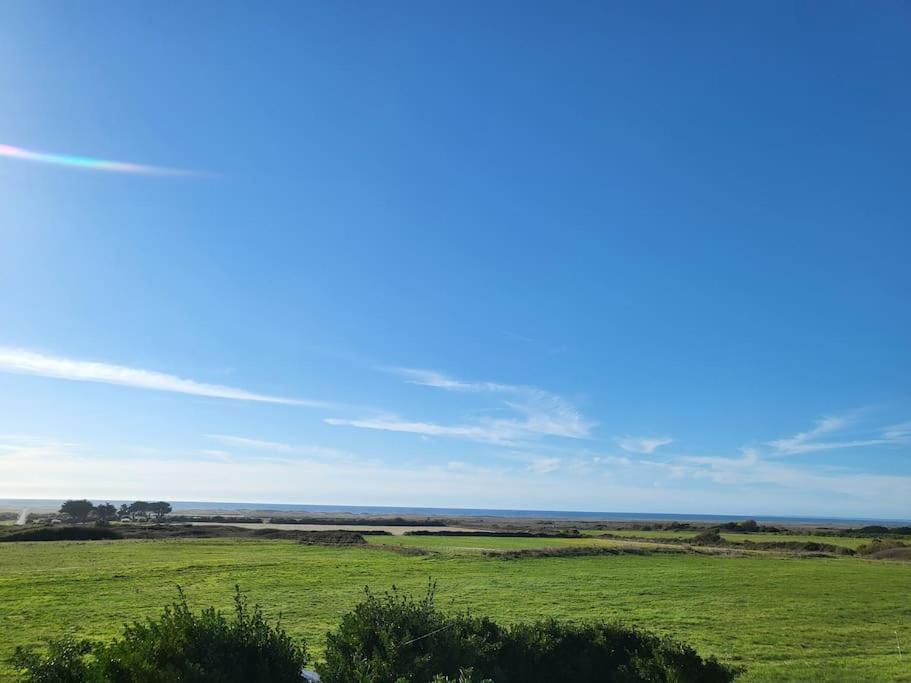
[642, 444]
[86, 163]
[21, 361]
[538, 413]
[244, 443]
[824, 437]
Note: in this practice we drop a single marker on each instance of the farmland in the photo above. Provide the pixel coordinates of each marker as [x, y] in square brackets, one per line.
[781, 617]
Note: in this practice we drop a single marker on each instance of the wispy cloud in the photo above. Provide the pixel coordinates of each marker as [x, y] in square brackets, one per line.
[431, 378]
[642, 444]
[243, 443]
[822, 437]
[90, 163]
[32, 363]
[539, 413]
[544, 465]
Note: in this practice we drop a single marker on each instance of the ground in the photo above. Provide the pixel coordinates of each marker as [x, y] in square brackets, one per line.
[783, 618]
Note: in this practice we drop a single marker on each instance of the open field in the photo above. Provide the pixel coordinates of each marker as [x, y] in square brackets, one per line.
[845, 541]
[469, 544]
[395, 530]
[783, 618]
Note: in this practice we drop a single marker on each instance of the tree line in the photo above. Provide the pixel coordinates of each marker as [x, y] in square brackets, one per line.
[84, 510]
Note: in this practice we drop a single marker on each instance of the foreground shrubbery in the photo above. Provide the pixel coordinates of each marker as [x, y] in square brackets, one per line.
[389, 639]
[178, 646]
[395, 638]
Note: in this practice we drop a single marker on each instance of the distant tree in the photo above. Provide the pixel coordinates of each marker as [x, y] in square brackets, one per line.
[123, 511]
[140, 507]
[105, 512]
[749, 526]
[77, 510]
[160, 509]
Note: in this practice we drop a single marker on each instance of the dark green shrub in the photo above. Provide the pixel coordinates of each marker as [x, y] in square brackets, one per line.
[878, 545]
[394, 639]
[64, 662]
[178, 646]
[708, 537]
[393, 636]
[63, 533]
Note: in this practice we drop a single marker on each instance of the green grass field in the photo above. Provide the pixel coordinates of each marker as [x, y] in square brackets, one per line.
[845, 541]
[783, 618]
[468, 544]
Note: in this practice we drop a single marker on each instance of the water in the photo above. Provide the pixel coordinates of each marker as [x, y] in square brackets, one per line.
[581, 515]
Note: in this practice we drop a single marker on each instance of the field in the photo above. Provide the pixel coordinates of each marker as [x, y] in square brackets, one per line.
[846, 541]
[783, 618]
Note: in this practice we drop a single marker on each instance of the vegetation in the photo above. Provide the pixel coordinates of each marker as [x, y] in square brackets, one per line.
[77, 510]
[177, 646]
[394, 638]
[82, 510]
[878, 545]
[500, 534]
[61, 533]
[784, 619]
[382, 640]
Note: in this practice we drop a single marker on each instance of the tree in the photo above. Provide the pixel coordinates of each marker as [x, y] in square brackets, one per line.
[160, 509]
[77, 510]
[105, 512]
[124, 511]
[140, 507]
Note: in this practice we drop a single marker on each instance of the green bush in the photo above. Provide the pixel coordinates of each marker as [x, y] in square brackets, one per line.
[63, 533]
[393, 638]
[388, 639]
[178, 646]
[878, 545]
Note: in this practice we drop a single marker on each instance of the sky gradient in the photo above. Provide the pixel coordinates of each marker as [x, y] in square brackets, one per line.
[634, 257]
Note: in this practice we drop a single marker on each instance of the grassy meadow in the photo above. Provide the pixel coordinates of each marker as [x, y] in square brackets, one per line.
[845, 541]
[783, 618]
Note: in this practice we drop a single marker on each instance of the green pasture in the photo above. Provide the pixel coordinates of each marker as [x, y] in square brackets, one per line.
[845, 541]
[783, 618]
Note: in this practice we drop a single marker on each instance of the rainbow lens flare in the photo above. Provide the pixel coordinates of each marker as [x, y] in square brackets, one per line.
[89, 163]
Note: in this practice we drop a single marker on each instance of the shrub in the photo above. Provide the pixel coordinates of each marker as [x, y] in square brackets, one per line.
[709, 537]
[178, 646]
[878, 545]
[339, 537]
[63, 533]
[64, 662]
[393, 638]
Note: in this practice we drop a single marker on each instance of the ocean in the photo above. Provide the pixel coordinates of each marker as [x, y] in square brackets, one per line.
[35, 504]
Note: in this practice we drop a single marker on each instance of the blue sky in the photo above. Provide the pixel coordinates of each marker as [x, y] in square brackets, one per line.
[594, 256]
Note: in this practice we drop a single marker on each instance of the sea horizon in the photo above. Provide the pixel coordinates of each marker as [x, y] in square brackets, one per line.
[581, 515]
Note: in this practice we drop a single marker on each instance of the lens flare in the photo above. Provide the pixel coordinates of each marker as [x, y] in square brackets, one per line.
[89, 163]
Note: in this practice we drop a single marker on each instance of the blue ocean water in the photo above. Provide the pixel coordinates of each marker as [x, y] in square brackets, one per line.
[581, 515]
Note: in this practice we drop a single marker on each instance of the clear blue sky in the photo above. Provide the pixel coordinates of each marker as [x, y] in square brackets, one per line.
[603, 256]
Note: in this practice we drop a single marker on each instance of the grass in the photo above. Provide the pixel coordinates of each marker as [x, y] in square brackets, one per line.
[784, 618]
[845, 541]
[462, 544]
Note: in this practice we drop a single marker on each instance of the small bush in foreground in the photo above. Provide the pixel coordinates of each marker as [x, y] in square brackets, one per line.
[178, 646]
[394, 638]
[389, 639]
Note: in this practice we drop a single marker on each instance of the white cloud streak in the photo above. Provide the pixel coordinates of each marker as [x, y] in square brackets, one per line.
[244, 443]
[642, 444]
[820, 437]
[21, 361]
[540, 413]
